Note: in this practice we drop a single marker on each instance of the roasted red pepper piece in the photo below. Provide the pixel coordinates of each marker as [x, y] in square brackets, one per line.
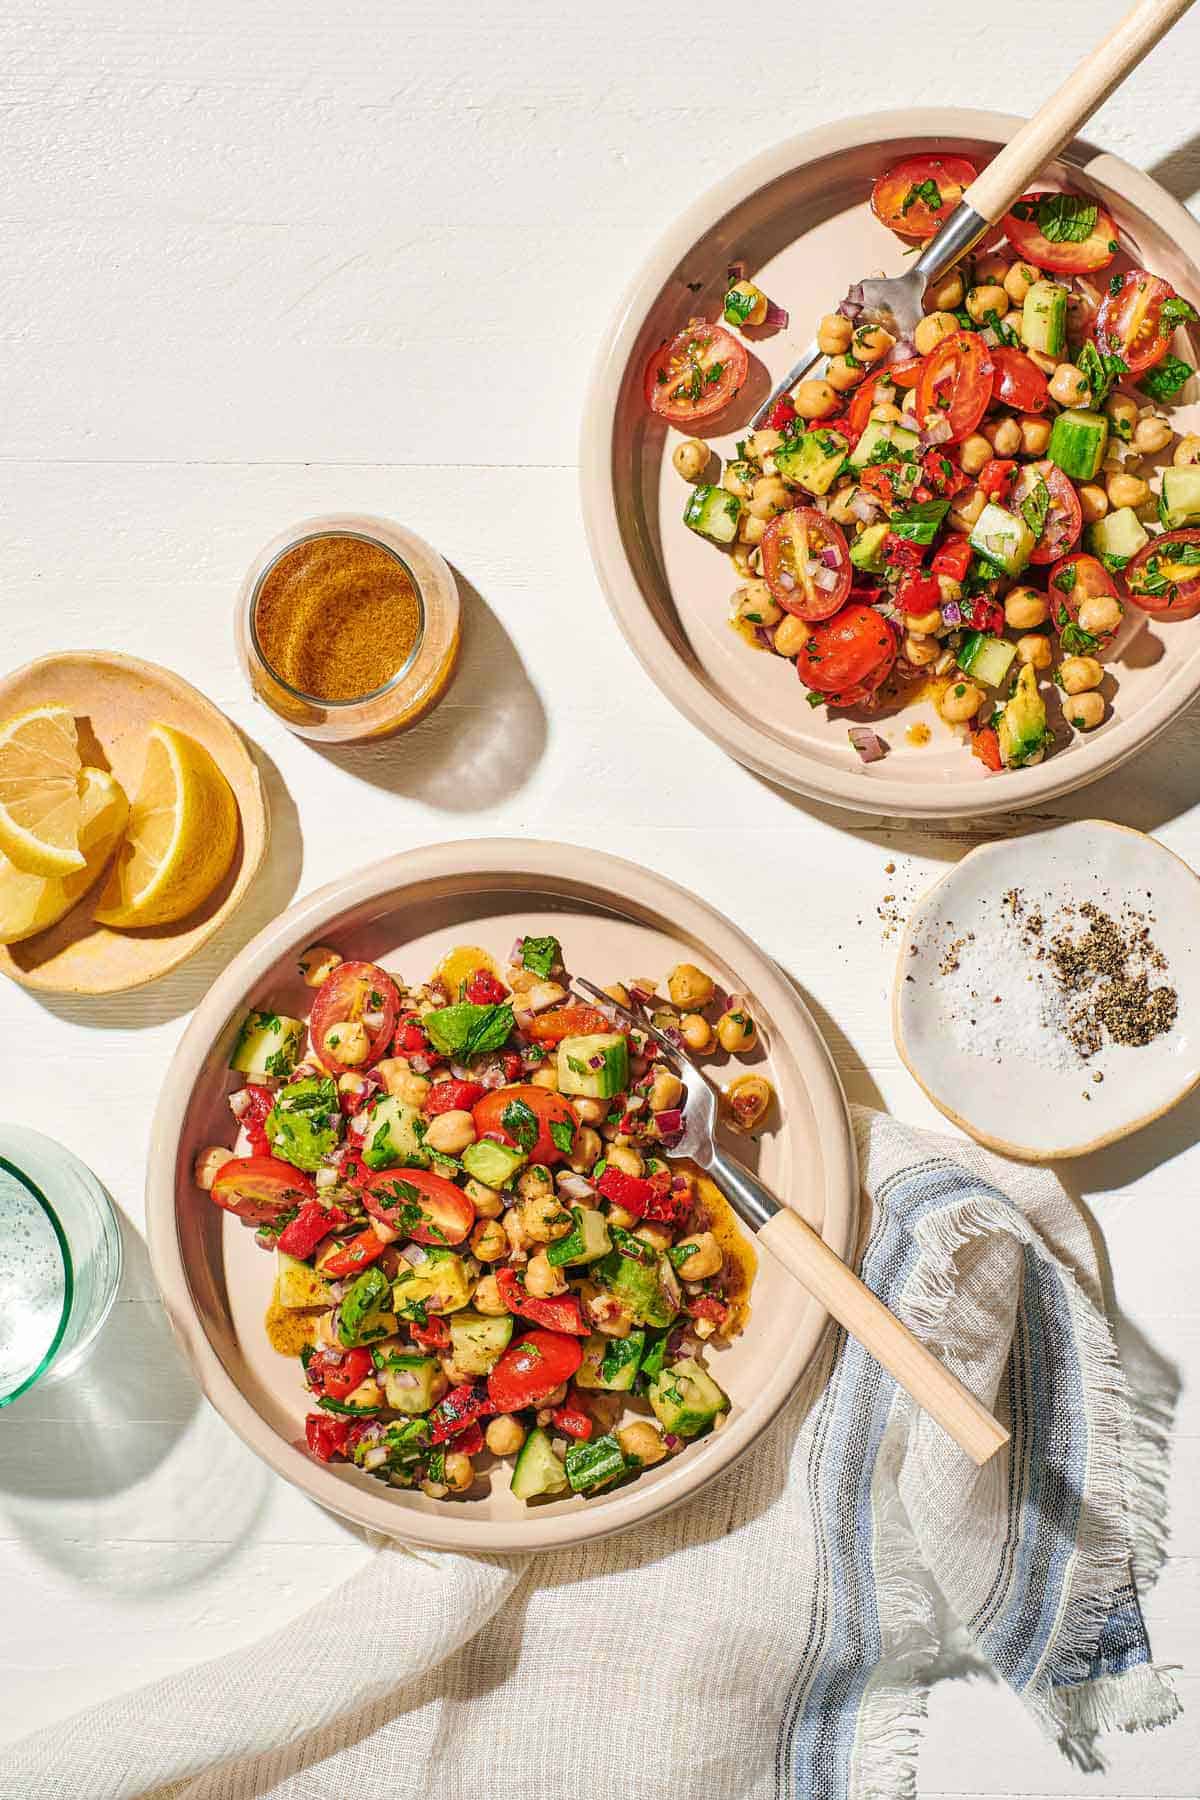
[944, 476]
[483, 989]
[253, 1120]
[459, 1409]
[633, 1192]
[326, 1436]
[902, 553]
[707, 1306]
[985, 744]
[410, 1036]
[667, 1201]
[953, 558]
[998, 477]
[337, 1379]
[310, 1225]
[982, 614]
[782, 413]
[469, 1442]
[353, 1257]
[572, 1421]
[920, 594]
[561, 1313]
[434, 1334]
[452, 1096]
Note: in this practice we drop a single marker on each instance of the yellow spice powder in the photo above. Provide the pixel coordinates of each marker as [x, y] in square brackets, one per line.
[337, 616]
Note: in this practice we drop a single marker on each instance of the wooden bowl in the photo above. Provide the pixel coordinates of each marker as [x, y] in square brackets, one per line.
[614, 919]
[115, 699]
[798, 216]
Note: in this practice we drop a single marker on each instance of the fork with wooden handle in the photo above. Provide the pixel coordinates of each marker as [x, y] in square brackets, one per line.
[898, 300]
[808, 1258]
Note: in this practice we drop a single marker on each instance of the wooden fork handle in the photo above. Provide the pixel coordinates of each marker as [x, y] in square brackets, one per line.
[808, 1257]
[1022, 160]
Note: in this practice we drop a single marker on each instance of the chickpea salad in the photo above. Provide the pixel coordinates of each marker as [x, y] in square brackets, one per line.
[967, 513]
[482, 1247]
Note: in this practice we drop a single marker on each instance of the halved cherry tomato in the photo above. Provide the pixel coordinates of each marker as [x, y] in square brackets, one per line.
[418, 1204]
[572, 1421]
[533, 1367]
[259, 1188]
[484, 989]
[1130, 324]
[1164, 576]
[953, 557]
[985, 744]
[326, 1437]
[352, 1257]
[919, 594]
[1064, 521]
[411, 1037]
[354, 989]
[559, 1313]
[915, 197]
[254, 1120]
[997, 477]
[943, 474]
[855, 649]
[906, 371]
[548, 1110]
[1019, 383]
[1077, 578]
[339, 1378]
[434, 1334]
[1023, 227]
[956, 383]
[696, 374]
[862, 400]
[313, 1222]
[451, 1096]
[794, 540]
[458, 1410]
[566, 1021]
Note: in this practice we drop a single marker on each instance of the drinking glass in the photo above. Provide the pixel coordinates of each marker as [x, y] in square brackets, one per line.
[60, 1260]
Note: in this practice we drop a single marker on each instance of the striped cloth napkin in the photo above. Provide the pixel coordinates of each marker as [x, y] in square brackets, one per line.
[774, 1638]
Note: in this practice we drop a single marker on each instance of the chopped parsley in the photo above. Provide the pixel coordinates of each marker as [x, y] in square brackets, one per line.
[1166, 378]
[924, 193]
[1099, 370]
[521, 1123]
[1178, 311]
[562, 1133]
[1064, 581]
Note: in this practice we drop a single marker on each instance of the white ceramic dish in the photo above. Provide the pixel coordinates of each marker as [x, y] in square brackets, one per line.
[1011, 1102]
[798, 216]
[614, 919]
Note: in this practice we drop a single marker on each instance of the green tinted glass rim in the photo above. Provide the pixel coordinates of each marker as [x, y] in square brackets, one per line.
[68, 1281]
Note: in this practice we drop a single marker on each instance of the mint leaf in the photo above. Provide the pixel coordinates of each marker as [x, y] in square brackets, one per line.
[520, 1122]
[1166, 378]
[540, 954]
[1036, 506]
[563, 1134]
[1178, 311]
[465, 1030]
[1066, 218]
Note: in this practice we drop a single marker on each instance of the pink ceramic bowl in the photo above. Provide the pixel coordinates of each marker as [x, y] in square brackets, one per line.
[614, 919]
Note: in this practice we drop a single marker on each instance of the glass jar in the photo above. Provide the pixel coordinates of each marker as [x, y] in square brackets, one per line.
[60, 1259]
[425, 663]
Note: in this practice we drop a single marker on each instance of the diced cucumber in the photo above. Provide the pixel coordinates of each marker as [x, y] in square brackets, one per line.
[268, 1044]
[1078, 440]
[654, 1358]
[641, 1278]
[595, 1067]
[813, 460]
[1044, 318]
[408, 1381]
[714, 512]
[395, 1134]
[305, 1123]
[587, 1241]
[883, 431]
[592, 1464]
[478, 1340]
[492, 1163]
[986, 658]
[611, 1362]
[685, 1398]
[1120, 534]
[1002, 539]
[365, 1313]
[1179, 502]
[1022, 729]
[866, 552]
[298, 1287]
[439, 1284]
[537, 1469]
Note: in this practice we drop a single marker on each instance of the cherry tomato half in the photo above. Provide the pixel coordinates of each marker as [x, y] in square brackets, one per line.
[1033, 215]
[956, 383]
[796, 546]
[855, 649]
[915, 197]
[517, 1103]
[1019, 382]
[259, 1188]
[533, 1367]
[566, 1021]
[1064, 521]
[1130, 324]
[416, 1203]
[355, 991]
[1164, 576]
[696, 374]
[862, 400]
[352, 1257]
[1073, 580]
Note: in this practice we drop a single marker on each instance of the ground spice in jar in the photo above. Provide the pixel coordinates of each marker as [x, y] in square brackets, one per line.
[337, 616]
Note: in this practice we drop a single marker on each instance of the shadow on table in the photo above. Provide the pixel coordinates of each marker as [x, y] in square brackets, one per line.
[481, 744]
[1179, 170]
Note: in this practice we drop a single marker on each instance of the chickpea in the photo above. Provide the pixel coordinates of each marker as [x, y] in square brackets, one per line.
[1093, 501]
[208, 1165]
[1035, 436]
[317, 963]
[604, 1311]
[1069, 386]
[949, 589]
[543, 1220]
[834, 334]
[1025, 608]
[791, 635]
[1034, 649]
[921, 650]
[696, 1032]
[587, 1110]
[871, 342]
[1127, 490]
[754, 603]
[763, 443]
[1039, 359]
[627, 1159]
[450, 1132]
[985, 299]
[617, 1215]
[736, 1031]
[960, 702]
[1020, 278]
[690, 459]
[990, 270]
[487, 1202]
[1122, 415]
[1152, 434]
[534, 1183]
[486, 1298]
[504, 1435]
[459, 1471]
[542, 1279]
[966, 509]
[1006, 438]
[348, 1042]
[689, 986]
[1079, 674]
[975, 454]
[770, 497]
[1085, 711]
[946, 295]
[746, 561]
[759, 301]
[666, 1091]
[844, 372]
[814, 400]
[841, 504]
[739, 478]
[1187, 451]
[749, 1100]
[545, 1077]
[586, 1150]
[926, 623]
[642, 1442]
[1100, 613]
[704, 1256]
[488, 1240]
[400, 1082]
[751, 530]
[887, 413]
[518, 1238]
[932, 329]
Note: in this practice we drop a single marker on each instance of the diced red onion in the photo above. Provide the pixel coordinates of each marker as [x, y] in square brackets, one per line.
[829, 557]
[595, 1062]
[575, 1187]
[776, 317]
[679, 1184]
[786, 579]
[636, 1103]
[373, 1020]
[869, 745]
[764, 638]
[670, 1440]
[414, 1253]
[419, 1063]
[852, 305]
[522, 1018]
[640, 997]
[375, 1457]
[825, 579]
[670, 1121]
[239, 1103]
[952, 613]
[901, 351]
[517, 951]
[460, 1071]
[940, 431]
[864, 508]
[532, 1058]
[492, 1078]
[990, 337]
[338, 1289]
[326, 1178]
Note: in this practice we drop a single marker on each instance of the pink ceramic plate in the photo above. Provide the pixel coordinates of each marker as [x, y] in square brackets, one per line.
[614, 919]
[798, 217]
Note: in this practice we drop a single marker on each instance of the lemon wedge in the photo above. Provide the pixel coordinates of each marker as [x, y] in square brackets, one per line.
[32, 903]
[180, 839]
[39, 791]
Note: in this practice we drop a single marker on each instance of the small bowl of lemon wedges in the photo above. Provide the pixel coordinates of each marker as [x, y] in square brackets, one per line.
[132, 822]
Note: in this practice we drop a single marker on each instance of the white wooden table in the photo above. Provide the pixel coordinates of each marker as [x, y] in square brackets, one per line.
[260, 261]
